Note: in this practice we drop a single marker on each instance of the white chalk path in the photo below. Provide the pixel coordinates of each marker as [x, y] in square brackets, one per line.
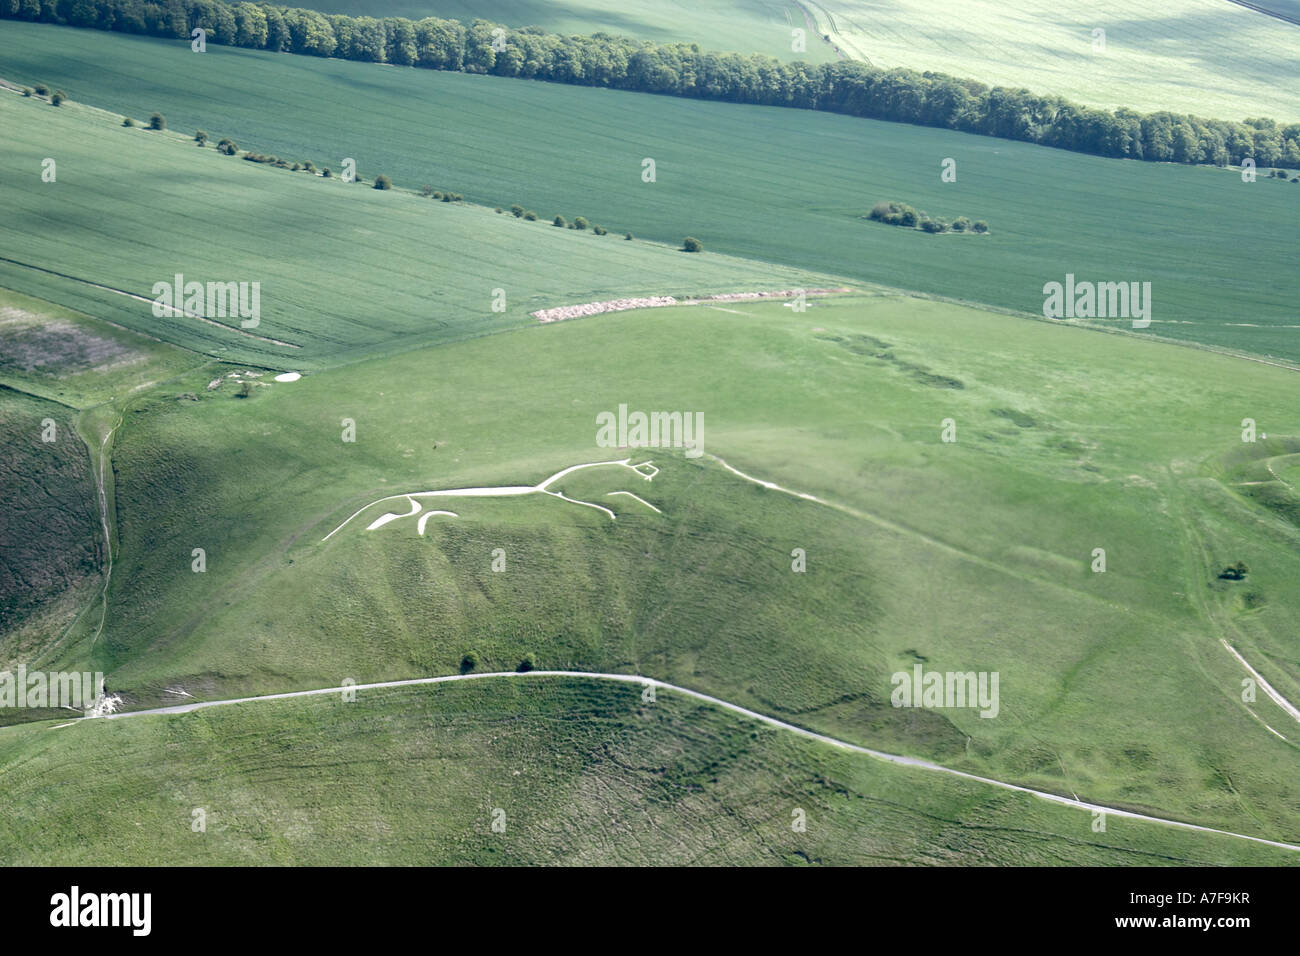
[725, 705]
[635, 498]
[501, 491]
[1277, 698]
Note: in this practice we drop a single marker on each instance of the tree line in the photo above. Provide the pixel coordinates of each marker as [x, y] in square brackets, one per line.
[847, 87]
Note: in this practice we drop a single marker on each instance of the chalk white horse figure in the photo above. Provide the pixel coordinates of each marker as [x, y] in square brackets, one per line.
[644, 470]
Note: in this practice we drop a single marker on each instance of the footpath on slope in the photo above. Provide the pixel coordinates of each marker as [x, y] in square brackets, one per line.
[717, 702]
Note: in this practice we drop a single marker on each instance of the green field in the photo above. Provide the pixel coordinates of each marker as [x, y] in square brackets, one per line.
[585, 774]
[356, 289]
[949, 472]
[744, 26]
[1115, 685]
[1207, 57]
[782, 186]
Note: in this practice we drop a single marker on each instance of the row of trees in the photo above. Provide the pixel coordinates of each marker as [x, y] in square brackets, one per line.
[849, 87]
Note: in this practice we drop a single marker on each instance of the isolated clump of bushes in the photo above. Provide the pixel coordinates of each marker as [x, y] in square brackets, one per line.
[691, 244]
[157, 122]
[57, 98]
[383, 182]
[1234, 572]
[894, 213]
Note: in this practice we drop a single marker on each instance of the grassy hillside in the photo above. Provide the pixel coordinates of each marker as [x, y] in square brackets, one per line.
[50, 541]
[366, 272]
[585, 773]
[1207, 57]
[73, 359]
[778, 185]
[1115, 685]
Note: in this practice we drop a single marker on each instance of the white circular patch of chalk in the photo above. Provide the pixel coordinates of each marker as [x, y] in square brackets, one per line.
[288, 377]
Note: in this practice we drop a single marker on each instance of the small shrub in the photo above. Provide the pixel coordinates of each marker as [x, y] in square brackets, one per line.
[498, 210]
[128, 122]
[581, 223]
[59, 96]
[201, 137]
[437, 195]
[526, 664]
[600, 230]
[691, 244]
[960, 224]
[383, 182]
[517, 211]
[468, 662]
[27, 91]
[42, 89]
[980, 226]
[157, 122]
[446, 197]
[325, 173]
[880, 210]
[309, 166]
[1234, 572]
[530, 216]
[629, 237]
[245, 390]
[426, 191]
[559, 221]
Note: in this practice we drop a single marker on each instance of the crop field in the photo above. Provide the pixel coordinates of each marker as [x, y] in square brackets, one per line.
[1208, 57]
[777, 185]
[412, 289]
[422, 459]
[743, 26]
